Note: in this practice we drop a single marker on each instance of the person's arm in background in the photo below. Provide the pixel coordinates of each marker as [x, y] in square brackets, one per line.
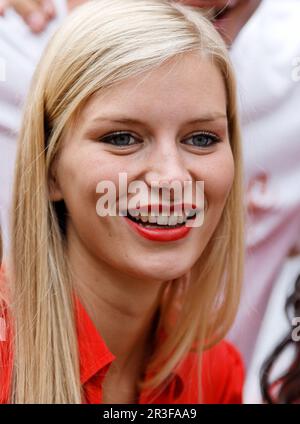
[230, 15]
[36, 13]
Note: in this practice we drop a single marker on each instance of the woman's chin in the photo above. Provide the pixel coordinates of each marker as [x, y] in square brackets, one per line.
[161, 271]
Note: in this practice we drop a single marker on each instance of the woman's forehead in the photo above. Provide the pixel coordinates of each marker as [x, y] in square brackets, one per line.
[193, 84]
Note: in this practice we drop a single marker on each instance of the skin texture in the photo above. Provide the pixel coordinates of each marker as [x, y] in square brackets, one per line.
[116, 271]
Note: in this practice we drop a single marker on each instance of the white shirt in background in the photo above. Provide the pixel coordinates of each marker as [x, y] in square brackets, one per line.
[263, 56]
[20, 50]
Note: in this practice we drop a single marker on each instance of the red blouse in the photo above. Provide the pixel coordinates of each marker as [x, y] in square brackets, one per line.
[222, 372]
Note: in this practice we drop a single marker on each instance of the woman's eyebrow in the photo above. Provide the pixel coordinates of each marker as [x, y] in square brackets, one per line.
[126, 120]
[209, 118]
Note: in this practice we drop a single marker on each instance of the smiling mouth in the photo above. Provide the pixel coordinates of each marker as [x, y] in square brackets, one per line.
[162, 222]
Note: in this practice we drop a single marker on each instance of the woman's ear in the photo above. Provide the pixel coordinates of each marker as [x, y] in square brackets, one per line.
[55, 192]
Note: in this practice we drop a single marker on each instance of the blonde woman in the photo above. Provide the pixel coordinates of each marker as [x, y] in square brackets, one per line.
[120, 309]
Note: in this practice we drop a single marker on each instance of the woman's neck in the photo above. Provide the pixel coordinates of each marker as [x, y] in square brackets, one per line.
[121, 307]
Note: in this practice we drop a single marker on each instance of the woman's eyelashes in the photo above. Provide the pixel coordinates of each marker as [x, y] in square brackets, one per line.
[120, 139]
[202, 139]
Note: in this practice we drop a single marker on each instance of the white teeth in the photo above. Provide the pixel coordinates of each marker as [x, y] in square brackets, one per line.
[180, 219]
[191, 213]
[134, 213]
[172, 220]
[162, 220]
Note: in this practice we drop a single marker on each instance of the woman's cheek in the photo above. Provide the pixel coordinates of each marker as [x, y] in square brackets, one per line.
[77, 179]
[219, 179]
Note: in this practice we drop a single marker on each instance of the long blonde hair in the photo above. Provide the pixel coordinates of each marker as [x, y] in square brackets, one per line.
[104, 42]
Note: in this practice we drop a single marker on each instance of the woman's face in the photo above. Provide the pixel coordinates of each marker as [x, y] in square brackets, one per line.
[174, 128]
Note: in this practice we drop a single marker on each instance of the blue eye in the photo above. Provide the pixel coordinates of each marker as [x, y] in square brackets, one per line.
[203, 139]
[119, 139]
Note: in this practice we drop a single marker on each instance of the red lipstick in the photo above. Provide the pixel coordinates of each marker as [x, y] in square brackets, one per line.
[160, 234]
[157, 234]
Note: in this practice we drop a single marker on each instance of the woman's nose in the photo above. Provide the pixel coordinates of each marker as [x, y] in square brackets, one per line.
[166, 166]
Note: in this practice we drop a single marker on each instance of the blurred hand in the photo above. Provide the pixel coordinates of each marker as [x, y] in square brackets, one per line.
[36, 13]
